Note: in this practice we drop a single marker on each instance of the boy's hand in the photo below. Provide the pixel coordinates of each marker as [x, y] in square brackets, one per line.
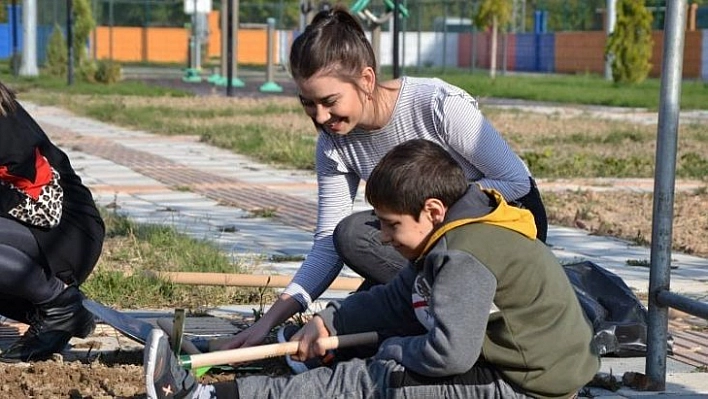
[308, 336]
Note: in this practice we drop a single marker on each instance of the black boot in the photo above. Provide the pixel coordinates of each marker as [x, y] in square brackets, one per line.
[51, 327]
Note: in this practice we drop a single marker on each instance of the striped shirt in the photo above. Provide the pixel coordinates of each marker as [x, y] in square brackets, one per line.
[426, 108]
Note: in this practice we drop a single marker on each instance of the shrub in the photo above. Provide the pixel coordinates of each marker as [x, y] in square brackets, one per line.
[630, 44]
[57, 57]
[108, 72]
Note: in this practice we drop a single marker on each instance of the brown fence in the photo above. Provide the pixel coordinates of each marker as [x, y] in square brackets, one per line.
[581, 52]
[171, 45]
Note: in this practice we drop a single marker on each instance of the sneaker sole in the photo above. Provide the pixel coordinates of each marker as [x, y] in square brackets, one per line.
[150, 361]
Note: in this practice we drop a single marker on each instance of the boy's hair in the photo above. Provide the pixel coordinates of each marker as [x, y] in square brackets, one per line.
[413, 172]
[333, 44]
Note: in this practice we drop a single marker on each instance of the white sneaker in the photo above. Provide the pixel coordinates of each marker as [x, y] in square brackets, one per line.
[164, 377]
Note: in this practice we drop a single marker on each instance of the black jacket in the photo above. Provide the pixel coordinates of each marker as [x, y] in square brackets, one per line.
[71, 248]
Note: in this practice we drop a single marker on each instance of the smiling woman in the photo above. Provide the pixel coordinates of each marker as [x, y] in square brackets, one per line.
[358, 119]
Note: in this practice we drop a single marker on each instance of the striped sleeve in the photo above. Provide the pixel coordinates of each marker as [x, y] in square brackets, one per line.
[472, 137]
[337, 188]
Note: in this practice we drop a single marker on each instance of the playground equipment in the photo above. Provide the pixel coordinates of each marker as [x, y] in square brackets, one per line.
[374, 22]
[270, 86]
[229, 41]
[198, 10]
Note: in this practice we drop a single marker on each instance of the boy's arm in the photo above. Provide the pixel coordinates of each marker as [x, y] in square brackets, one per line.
[385, 307]
[462, 296]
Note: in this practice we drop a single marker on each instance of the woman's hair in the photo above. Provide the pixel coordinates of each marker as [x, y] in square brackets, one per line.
[413, 172]
[333, 44]
[7, 100]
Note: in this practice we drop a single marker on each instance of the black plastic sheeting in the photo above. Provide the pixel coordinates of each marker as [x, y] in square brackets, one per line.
[618, 318]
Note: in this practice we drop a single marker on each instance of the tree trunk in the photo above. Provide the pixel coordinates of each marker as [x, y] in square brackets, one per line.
[493, 60]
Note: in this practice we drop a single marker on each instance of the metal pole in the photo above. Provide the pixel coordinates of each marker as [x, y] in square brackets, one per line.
[418, 62]
[270, 85]
[269, 49]
[660, 274]
[94, 34]
[28, 65]
[69, 42]
[110, 30]
[396, 29]
[234, 23]
[404, 29]
[224, 50]
[15, 46]
[444, 44]
[229, 48]
[195, 39]
[144, 32]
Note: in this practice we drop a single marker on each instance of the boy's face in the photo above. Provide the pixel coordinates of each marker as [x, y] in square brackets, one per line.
[406, 234]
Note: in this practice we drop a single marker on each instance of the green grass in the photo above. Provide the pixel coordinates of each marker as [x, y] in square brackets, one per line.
[56, 85]
[131, 250]
[575, 89]
[266, 143]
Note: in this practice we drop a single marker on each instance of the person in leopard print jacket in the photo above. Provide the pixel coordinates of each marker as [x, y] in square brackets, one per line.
[51, 235]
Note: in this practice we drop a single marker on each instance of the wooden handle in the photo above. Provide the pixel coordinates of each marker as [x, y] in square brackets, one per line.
[272, 350]
[247, 280]
[166, 325]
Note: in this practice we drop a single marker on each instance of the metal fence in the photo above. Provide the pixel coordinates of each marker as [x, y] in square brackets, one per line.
[424, 15]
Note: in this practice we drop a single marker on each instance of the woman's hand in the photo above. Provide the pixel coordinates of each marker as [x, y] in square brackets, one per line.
[252, 336]
[283, 308]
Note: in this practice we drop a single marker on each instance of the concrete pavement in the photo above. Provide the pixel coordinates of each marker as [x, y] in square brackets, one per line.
[212, 194]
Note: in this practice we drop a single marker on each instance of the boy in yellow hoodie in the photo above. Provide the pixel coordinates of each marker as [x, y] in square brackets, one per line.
[484, 309]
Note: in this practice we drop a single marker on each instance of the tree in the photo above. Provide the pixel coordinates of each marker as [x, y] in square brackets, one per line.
[630, 44]
[494, 13]
[83, 25]
[56, 53]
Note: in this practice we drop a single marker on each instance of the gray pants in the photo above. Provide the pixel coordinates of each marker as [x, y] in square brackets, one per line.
[377, 379]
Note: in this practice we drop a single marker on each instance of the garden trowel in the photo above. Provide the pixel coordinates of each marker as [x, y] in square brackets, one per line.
[134, 328]
[131, 327]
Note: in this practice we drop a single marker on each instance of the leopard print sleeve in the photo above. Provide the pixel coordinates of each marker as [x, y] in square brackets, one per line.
[43, 211]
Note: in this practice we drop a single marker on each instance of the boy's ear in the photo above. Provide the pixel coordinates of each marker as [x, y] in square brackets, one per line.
[435, 210]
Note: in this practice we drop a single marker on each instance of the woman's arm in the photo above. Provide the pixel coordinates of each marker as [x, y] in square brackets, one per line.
[336, 192]
[473, 138]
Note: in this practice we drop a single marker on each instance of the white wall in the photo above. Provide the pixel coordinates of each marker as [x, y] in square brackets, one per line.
[431, 51]
[436, 49]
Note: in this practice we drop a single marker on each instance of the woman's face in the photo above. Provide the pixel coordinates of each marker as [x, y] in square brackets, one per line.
[336, 105]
